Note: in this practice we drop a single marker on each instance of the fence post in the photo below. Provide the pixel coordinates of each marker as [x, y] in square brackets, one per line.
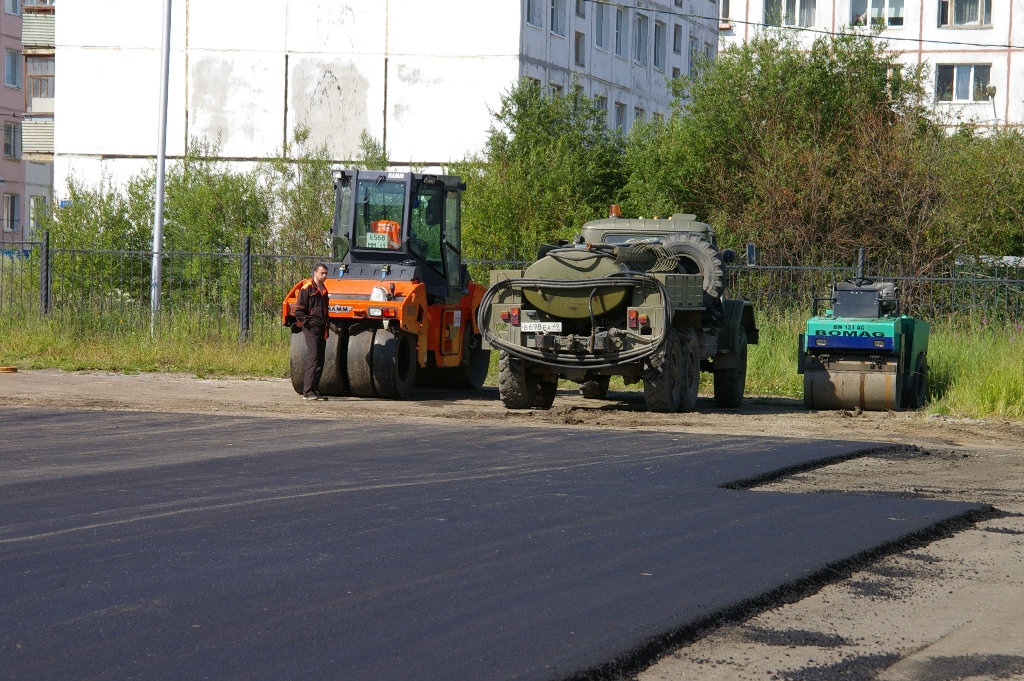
[245, 299]
[44, 274]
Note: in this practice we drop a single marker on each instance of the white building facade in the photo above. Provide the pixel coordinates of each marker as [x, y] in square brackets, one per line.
[419, 77]
[974, 48]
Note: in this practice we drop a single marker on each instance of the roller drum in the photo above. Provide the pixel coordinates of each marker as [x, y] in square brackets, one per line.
[869, 390]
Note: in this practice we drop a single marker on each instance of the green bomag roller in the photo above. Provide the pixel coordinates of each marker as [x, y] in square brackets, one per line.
[862, 352]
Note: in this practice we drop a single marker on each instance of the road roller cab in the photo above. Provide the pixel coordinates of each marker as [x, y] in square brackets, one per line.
[862, 352]
[401, 305]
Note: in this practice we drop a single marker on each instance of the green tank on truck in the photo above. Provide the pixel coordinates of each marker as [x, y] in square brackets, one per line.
[640, 298]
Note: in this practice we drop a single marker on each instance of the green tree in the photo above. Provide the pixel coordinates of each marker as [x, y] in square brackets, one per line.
[797, 149]
[550, 164]
[302, 191]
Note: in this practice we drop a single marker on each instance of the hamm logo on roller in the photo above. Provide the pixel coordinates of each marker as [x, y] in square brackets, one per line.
[853, 334]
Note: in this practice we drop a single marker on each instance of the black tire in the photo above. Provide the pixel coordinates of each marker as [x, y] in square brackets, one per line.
[545, 397]
[334, 379]
[297, 360]
[516, 387]
[359, 360]
[690, 369]
[663, 384]
[918, 394]
[596, 388]
[394, 364]
[476, 363]
[730, 383]
[696, 255]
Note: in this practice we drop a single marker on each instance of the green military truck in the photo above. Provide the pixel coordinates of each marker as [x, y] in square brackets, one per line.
[638, 298]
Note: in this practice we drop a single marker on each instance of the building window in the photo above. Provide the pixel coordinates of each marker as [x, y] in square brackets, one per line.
[880, 13]
[709, 51]
[677, 39]
[659, 45]
[601, 26]
[12, 6]
[724, 10]
[12, 69]
[579, 49]
[639, 115]
[12, 140]
[581, 8]
[620, 32]
[558, 17]
[40, 76]
[620, 115]
[658, 117]
[601, 102]
[12, 215]
[640, 39]
[789, 12]
[37, 208]
[965, 13]
[679, 3]
[962, 82]
[675, 72]
[694, 56]
[555, 89]
[535, 12]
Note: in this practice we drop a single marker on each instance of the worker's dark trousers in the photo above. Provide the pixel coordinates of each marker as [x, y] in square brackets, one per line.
[315, 344]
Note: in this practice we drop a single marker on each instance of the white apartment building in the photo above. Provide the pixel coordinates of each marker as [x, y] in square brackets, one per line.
[422, 77]
[974, 48]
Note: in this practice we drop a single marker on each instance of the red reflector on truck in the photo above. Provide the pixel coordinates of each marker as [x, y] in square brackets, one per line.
[515, 316]
[632, 319]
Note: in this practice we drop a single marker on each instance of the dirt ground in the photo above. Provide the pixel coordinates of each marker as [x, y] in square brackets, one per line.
[953, 609]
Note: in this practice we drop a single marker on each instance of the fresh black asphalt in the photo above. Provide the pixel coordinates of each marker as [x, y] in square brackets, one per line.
[166, 546]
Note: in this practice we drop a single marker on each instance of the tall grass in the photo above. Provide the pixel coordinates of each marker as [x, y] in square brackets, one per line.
[976, 370]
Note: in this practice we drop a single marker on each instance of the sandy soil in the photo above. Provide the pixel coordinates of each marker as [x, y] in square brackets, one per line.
[953, 609]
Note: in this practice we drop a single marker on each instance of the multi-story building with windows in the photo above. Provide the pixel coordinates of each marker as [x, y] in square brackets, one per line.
[12, 111]
[974, 48]
[38, 45]
[421, 78]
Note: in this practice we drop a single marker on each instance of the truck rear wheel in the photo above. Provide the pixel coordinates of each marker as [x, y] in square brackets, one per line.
[690, 369]
[596, 388]
[663, 385]
[359, 361]
[545, 397]
[394, 364]
[516, 387]
[730, 383]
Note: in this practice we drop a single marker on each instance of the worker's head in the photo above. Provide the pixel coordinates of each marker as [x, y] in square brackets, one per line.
[319, 272]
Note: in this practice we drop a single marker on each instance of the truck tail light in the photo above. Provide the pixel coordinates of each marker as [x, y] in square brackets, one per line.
[514, 316]
[632, 319]
[385, 312]
[505, 316]
[644, 320]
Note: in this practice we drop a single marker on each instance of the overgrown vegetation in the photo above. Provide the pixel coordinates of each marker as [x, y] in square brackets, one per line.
[807, 153]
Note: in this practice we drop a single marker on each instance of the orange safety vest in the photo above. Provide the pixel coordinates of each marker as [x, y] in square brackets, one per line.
[310, 289]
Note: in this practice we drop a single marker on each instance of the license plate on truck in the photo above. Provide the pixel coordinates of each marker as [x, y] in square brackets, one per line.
[541, 326]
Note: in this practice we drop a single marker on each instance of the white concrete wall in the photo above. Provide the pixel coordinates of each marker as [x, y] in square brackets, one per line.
[922, 40]
[423, 79]
[249, 72]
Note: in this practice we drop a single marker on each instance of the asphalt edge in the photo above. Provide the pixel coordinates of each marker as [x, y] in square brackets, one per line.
[628, 665]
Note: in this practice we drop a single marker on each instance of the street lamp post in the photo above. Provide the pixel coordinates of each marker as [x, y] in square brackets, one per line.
[161, 159]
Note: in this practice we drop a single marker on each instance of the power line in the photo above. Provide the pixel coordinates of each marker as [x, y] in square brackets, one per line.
[817, 31]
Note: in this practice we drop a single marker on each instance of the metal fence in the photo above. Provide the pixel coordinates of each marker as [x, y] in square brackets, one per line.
[239, 294]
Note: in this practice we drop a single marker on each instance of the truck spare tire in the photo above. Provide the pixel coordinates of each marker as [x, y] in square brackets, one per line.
[696, 255]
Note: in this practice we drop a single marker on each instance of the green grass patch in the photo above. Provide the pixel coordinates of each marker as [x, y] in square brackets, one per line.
[48, 345]
[976, 370]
